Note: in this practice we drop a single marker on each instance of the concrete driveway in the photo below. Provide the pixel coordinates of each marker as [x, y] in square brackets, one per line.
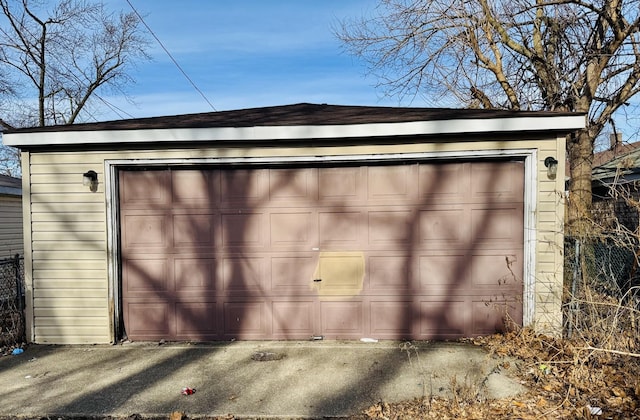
[246, 379]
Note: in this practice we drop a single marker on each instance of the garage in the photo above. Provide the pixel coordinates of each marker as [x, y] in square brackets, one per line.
[294, 222]
[406, 250]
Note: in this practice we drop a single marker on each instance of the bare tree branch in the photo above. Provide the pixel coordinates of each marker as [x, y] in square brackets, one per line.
[564, 55]
[67, 53]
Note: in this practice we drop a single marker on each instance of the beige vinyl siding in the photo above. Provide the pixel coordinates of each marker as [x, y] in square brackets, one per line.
[70, 286]
[11, 238]
[550, 242]
[70, 275]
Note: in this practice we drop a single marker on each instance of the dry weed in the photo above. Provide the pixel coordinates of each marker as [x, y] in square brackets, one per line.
[565, 382]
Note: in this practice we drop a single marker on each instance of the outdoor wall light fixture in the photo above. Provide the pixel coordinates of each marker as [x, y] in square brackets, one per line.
[552, 167]
[90, 179]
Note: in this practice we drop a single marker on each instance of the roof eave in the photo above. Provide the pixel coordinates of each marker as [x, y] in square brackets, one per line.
[564, 123]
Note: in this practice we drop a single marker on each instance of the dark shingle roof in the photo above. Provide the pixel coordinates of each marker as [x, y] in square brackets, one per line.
[619, 149]
[294, 115]
[9, 181]
[10, 185]
[626, 166]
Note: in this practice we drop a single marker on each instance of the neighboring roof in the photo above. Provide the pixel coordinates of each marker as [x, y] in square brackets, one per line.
[619, 149]
[299, 121]
[10, 185]
[622, 163]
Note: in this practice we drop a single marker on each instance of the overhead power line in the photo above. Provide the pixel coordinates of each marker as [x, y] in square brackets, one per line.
[116, 110]
[184, 73]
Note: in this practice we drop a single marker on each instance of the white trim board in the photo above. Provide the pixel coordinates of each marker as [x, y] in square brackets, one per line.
[564, 123]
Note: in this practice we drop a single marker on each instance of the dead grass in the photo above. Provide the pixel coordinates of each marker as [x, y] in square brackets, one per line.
[566, 381]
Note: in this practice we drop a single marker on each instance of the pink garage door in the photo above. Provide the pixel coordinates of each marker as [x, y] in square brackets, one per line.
[420, 251]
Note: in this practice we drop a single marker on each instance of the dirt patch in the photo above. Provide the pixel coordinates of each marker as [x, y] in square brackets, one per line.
[267, 356]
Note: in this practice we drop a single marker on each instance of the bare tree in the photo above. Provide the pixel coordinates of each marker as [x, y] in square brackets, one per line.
[10, 161]
[562, 55]
[59, 57]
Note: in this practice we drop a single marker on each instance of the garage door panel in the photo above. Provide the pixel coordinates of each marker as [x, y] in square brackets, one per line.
[246, 320]
[341, 229]
[339, 274]
[145, 231]
[144, 275]
[293, 319]
[293, 185]
[242, 187]
[390, 184]
[488, 316]
[443, 274]
[247, 229]
[342, 319]
[497, 225]
[391, 319]
[444, 183]
[444, 227]
[497, 181]
[195, 188]
[195, 230]
[390, 227]
[444, 318]
[245, 274]
[293, 228]
[197, 320]
[389, 273]
[148, 319]
[293, 274]
[146, 189]
[498, 269]
[492, 310]
[195, 275]
[340, 185]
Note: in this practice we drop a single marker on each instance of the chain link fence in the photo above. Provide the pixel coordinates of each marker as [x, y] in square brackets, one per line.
[602, 280]
[609, 263]
[11, 300]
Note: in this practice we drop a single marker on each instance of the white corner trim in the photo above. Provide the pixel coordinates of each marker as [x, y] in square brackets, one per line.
[530, 238]
[270, 133]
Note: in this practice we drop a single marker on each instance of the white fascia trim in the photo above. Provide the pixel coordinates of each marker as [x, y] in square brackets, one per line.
[459, 126]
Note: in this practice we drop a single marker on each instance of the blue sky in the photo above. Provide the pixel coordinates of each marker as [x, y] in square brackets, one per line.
[247, 53]
[253, 53]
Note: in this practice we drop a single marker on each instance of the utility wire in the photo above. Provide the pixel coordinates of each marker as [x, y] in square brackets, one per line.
[171, 57]
[114, 108]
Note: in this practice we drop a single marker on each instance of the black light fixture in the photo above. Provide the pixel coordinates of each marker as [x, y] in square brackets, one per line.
[90, 179]
[552, 167]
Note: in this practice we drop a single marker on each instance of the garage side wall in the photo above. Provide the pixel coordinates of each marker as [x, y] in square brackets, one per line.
[68, 284]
